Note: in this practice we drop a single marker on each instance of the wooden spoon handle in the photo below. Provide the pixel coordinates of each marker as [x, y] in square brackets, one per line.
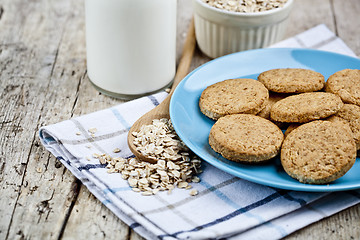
[186, 57]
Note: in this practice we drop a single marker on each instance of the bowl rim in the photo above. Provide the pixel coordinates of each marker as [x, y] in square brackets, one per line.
[252, 14]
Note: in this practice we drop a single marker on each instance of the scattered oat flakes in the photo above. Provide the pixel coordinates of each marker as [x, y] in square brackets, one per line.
[39, 170]
[161, 142]
[167, 90]
[195, 179]
[92, 130]
[88, 146]
[182, 184]
[116, 150]
[78, 133]
[151, 178]
[111, 170]
[88, 158]
[194, 192]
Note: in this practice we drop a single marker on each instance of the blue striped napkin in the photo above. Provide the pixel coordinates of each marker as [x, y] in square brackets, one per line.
[226, 206]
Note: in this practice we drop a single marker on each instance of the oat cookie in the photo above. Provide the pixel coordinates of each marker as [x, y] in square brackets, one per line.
[265, 112]
[306, 107]
[346, 84]
[350, 113]
[245, 138]
[273, 98]
[318, 152]
[291, 127]
[292, 80]
[233, 96]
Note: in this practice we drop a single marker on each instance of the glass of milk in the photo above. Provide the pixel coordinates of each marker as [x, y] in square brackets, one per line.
[130, 46]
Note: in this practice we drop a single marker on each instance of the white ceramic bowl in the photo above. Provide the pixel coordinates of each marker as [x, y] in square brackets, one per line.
[220, 32]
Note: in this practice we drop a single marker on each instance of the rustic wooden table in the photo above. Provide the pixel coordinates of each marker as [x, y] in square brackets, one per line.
[43, 81]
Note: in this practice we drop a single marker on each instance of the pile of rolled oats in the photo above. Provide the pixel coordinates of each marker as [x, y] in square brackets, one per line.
[149, 178]
[246, 6]
[176, 165]
[160, 141]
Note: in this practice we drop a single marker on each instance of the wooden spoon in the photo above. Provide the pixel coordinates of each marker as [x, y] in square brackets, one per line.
[162, 110]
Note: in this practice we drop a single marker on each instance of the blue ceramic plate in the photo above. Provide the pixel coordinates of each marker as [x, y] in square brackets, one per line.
[193, 127]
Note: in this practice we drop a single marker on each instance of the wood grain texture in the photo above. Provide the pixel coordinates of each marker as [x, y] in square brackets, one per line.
[43, 80]
[309, 13]
[347, 21]
[27, 69]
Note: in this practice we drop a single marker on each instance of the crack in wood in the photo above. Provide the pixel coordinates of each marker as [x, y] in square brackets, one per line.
[44, 206]
[77, 93]
[76, 190]
[22, 182]
[1, 12]
[32, 144]
[47, 162]
[334, 16]
[2, 167]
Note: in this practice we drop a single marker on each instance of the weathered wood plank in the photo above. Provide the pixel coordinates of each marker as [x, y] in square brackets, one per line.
[90, 219]
[47, 190]
[344, 225]
[307, 14]
[347, 20]
[25, 68]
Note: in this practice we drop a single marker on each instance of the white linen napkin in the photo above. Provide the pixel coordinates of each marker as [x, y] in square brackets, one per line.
[226, 206]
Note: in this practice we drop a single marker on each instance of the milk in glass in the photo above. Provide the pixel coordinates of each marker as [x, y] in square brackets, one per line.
[131, 45]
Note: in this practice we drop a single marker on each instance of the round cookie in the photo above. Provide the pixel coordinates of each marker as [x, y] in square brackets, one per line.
[233, 96]
[273, 98]
[346, 84]
[292, 80]
[245, 138]
[350, 113]
[306, 107]
[291, 127]
[318, 152]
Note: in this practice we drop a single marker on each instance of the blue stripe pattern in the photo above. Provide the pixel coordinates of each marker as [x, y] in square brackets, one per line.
[91, 166]
[134, 225]
[114, 190]
[153, 100]
[232, 214]
[111, 191]
[120, 118]
[231, 203]
[106, 201]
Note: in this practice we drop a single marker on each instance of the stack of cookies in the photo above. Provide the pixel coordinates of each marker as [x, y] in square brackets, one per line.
[321, 119]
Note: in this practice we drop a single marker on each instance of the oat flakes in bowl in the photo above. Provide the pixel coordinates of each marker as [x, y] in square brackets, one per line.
[227, 26]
